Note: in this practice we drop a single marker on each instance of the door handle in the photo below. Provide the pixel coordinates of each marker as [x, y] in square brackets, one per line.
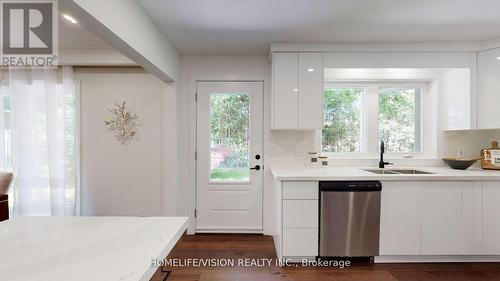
[257, 167]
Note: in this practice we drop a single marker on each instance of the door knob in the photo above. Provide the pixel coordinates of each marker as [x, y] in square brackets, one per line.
[257, 167]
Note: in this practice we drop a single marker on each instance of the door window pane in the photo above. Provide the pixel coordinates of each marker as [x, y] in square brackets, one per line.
[342, 119]
[229, 133]
[399, 119]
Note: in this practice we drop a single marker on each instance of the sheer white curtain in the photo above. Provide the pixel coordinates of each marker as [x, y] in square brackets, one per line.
[40, 124]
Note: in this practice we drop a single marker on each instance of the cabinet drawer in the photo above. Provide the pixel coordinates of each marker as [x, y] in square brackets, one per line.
[300, 213]
[300, 242]
[300, 190]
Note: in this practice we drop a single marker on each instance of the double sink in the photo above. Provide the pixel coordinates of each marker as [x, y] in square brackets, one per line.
[398, 172]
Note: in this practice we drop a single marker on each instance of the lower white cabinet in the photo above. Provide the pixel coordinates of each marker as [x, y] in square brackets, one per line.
[418, 218]
[300, 219]
[472, 217]
[491, 218]
[445, 218]
[400, 218]
[441, 218]
[300, 242]
[300, 213]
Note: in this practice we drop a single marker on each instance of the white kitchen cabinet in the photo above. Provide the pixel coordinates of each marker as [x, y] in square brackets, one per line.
[488, 80]
[441, 220]
[400, 218]
[300, 213]
[456, 89]
[300, 242]
[297, 95]
[491, 218]
[300, 190]
[285, 101]
[299, 221]
[310, 91]
[472, 218]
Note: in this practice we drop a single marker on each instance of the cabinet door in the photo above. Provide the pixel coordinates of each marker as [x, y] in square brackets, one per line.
[300, 242]
[441, 218]
[300, 190]
[472, 218]
[310, 91]
[488, 89]
[285, 91]
[400, 218]
[491, 218]
[300, 213]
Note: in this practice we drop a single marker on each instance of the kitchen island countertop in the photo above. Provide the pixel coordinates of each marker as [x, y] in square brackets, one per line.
[86, 248]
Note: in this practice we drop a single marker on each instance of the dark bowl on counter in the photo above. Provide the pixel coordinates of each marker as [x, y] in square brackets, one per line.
[460, 163]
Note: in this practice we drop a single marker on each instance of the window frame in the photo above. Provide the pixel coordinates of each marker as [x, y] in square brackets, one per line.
[370, 120]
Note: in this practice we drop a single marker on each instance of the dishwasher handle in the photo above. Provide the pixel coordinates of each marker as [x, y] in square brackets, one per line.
[349, 186]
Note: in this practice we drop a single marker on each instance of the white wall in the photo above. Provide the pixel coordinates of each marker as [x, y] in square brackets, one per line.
[138, 179]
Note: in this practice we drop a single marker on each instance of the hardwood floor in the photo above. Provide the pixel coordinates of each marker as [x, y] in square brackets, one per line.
[241, 246]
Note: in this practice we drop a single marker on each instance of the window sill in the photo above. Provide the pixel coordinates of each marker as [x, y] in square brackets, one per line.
[377, 157]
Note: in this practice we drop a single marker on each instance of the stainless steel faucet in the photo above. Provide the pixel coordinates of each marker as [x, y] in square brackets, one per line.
[381, 163]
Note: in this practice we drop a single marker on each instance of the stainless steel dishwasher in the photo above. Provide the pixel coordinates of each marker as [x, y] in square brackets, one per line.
[349, 218]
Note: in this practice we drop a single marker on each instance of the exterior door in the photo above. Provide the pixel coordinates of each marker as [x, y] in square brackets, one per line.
[229, 156]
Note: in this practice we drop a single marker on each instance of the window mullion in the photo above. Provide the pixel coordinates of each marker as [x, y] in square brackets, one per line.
[418, 120]
[371, 120]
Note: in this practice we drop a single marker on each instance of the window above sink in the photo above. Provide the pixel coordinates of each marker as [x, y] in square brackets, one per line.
[359, 113]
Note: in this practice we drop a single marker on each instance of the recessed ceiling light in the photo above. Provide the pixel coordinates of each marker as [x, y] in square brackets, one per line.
[310, 69]
[498, 58]
[295, 90]
[70, 19]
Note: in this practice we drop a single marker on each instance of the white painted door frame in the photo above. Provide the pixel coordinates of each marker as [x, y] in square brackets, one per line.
[258, 177]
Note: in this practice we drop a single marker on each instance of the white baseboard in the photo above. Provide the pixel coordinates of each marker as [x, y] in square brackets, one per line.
[229, 231]
[436, 259]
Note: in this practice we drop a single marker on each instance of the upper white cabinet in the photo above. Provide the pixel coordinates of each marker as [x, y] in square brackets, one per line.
[285, 103]
[310, 91]
[297, 95]
[488, 88]
[457, 90]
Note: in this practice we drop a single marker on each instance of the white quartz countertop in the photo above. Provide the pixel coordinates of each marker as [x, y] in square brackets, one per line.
[85, 248]
[354, 173]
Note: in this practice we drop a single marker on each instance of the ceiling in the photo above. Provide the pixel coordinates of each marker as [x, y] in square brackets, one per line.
[248, 27]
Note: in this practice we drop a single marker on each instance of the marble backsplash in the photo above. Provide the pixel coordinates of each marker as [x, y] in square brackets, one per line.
[289, 148]
[468, 144]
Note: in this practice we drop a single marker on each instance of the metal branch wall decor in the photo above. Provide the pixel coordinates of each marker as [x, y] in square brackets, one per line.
[123, 123]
